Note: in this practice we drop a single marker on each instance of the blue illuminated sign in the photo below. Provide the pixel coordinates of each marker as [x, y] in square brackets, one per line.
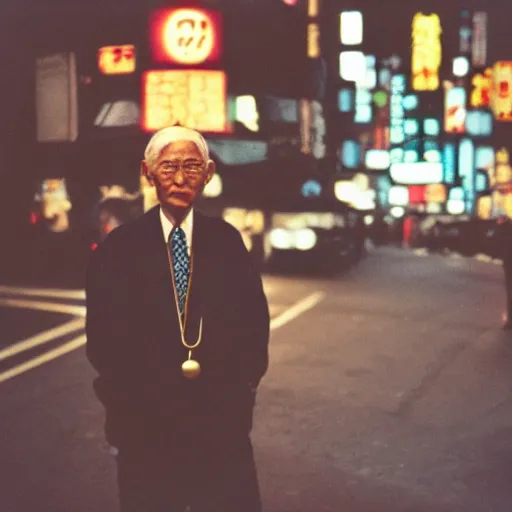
[410, 102]
[449, 163]
[345, 100]
[398, 85]
[351, 154]
[478, 123]
[311, 188]
[467, 170]
[431, 127]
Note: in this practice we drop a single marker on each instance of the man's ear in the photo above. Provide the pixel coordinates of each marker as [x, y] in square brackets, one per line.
[210, 171]
[144, 170]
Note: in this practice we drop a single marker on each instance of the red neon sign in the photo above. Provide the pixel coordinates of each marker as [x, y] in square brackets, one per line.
[188, 36]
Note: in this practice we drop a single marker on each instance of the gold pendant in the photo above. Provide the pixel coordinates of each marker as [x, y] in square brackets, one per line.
[191, 369]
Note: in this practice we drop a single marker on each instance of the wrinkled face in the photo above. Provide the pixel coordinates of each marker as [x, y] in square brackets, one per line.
[179, 175]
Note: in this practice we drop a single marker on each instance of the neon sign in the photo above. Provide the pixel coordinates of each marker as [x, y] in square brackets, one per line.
[116, 60]
[426, 52]
[479, 46]
[455, 109]
[313, 40]
[195, 99]
[482, 83]
[501, 91]
[397, 135]
[351, 28]
[188, 36]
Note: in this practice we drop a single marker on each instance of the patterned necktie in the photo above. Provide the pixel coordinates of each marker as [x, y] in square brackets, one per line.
[181, 265]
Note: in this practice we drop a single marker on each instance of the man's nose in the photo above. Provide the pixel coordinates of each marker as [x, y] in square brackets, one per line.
[179, 177]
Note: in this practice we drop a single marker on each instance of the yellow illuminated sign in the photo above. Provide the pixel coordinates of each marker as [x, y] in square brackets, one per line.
[501, 91]
[426, 52]
[313, 40]
[503, 168]
[484, 207]
[191, 98]
[435, 193]
[116, 60]
[313, 8]
[482, 82]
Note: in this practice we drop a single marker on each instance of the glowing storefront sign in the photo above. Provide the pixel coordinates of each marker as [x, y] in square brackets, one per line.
[467, 170]
[396, 155]
[501, 91]
[484, 158]
[410, 102]
[246, 112]
[426, 52]
[416, 194]
[479, 45]
[449, 162]
[466, 158]
[411, 127]
[397, 135]
[191, 98]
[380, 98]
[351, 28]
[313, 40]
[345, 100]
[484, 207]
[351, 154]
[398, 195]
[503, 168]
[377, 159]
[352, 66]
[431, 127]
[313, 8]
[416, 173]
[318, 130]
[455, 109]
[116, 60]
[479, 123]
[411, 156]
[363, 112]
[435, 193]
[465, 40]
[455, 206]
[186, 36]
[481, 93]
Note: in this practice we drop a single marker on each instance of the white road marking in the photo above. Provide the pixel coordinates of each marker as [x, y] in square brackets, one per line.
[44, 292]
[285, 317]
[44, 358]
[42, 338]
[44, 306]
[296, 310]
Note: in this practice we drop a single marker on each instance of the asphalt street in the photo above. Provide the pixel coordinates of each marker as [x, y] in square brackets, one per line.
[389, 390]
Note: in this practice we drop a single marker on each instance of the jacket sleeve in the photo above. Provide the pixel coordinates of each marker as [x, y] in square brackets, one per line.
[104, 328]
[251, 314]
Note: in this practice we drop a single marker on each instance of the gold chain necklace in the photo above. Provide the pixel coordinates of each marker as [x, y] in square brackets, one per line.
[190, 368]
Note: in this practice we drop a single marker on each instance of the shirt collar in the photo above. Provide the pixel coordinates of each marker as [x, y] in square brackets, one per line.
[186, 225]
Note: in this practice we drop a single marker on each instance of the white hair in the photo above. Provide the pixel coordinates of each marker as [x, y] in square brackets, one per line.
[163, 138]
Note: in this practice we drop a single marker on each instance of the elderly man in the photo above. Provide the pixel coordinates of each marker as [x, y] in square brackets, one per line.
[177, 330]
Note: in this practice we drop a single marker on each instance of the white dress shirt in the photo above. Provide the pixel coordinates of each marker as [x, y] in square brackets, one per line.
[187, 226]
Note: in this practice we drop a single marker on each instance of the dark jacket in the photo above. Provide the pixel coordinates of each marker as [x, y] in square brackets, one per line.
[134, 343]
